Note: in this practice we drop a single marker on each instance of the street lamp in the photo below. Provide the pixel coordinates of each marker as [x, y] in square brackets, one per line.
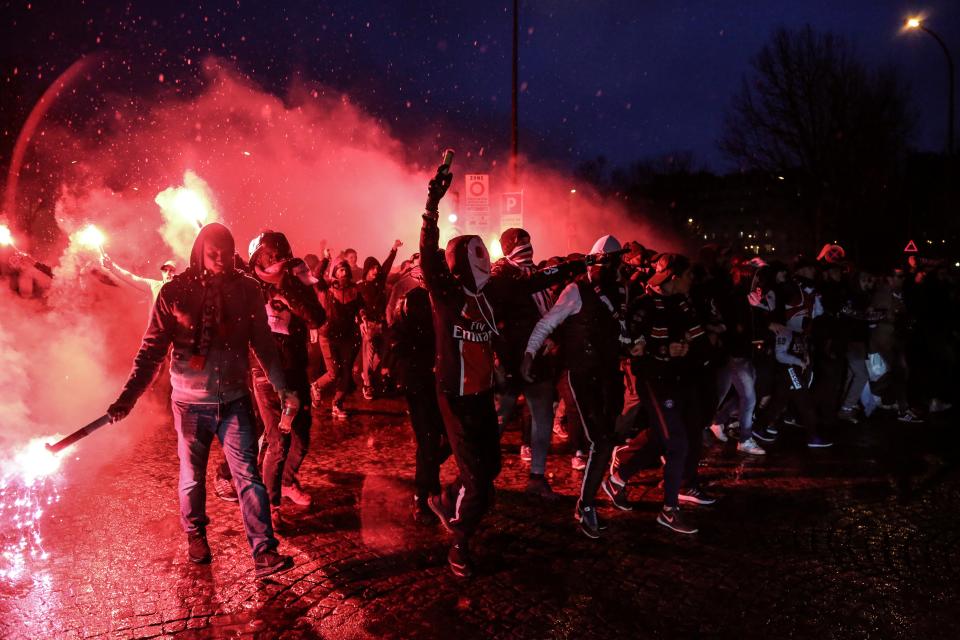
[914, 24]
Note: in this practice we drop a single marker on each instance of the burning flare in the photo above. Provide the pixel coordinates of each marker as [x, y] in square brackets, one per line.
[91, 238]
[6, 238]
[185, 210]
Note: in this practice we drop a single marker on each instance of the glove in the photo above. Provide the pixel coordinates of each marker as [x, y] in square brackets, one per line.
[437, 189]
[120, 409]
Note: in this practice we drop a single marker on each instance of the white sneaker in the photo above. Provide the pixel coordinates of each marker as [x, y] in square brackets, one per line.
[751, 447]
[718, 432]
[526, 453]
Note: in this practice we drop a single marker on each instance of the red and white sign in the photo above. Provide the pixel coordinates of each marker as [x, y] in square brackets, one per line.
[477, 203]
[911, 247]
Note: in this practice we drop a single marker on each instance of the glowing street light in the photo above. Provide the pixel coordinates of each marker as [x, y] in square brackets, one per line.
[915, 23]
[452, 218]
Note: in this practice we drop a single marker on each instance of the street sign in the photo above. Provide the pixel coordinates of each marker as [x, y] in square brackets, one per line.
[477, 203]
[911, 247]
[511, 210]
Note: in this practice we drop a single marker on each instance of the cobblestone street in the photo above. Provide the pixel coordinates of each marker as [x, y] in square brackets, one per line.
[856, 541]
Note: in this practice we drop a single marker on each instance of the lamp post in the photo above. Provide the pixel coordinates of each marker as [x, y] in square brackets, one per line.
[914, 24]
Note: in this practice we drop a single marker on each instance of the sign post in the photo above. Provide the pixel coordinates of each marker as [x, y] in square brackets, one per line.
[477, 205]
[511, 210]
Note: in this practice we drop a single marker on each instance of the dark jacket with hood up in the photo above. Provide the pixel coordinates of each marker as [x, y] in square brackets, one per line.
[375, 292]
[463, 320]
[220, 375]
[342, 304]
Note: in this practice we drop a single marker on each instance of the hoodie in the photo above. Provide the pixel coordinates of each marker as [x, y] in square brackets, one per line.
[212, 322]
[342, 304]
[375, 292]
[463, 320]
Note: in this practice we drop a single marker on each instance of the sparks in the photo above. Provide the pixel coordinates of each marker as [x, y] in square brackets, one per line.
[27, 489]
[91, 238]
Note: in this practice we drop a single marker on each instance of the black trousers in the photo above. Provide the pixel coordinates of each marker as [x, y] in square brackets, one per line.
[433, 448]
[698, 402]
[667, 435]
[474, 436]
[598, 399]
[792, 387]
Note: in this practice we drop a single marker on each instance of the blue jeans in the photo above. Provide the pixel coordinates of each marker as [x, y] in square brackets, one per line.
[539, 396]
[739, 374]
[233, 424]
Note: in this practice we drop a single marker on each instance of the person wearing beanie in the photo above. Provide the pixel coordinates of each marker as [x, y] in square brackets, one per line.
[520, 294]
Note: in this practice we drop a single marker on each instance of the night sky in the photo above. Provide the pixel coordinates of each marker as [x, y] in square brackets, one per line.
[627, 80]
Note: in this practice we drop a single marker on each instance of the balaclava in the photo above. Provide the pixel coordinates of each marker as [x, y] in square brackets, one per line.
[469, 262]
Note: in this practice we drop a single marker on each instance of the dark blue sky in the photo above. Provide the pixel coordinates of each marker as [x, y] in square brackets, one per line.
[628, 80]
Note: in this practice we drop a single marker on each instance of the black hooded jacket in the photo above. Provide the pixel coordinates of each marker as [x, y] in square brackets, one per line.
[463, 320]
[220, 374]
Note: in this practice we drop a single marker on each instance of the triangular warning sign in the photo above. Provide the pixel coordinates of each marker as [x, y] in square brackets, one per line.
[911, 247]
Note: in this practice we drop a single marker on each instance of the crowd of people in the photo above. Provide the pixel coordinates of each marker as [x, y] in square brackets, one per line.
[631, 357]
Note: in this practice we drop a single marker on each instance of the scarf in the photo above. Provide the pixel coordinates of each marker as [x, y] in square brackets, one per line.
[211, 320]
[522, 258]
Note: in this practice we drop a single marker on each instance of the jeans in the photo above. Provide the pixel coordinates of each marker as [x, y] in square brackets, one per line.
[338, 354]
[285, 451]
[857, 373]
[539, 396]
[371, 350]
[232, 423]
[740, 374]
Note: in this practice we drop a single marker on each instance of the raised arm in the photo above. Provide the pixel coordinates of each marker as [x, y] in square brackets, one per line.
[135, 281]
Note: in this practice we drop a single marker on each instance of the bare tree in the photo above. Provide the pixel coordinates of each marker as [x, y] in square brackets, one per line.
[813, 110]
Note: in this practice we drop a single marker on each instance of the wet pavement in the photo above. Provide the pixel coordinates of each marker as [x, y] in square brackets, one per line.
[857, 541]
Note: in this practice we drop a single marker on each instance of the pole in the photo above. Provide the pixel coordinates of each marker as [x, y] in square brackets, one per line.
[514, 137]
[950, 100]
[79, 434]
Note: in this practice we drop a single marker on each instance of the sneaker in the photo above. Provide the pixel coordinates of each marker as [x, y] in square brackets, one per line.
[790, 420]
[773, 430]
[526, 453]
[764, 435]
[718, 432]
[696, 496]
[270, 562]
[460, 562]
[338, 413]
[589, 523]
[671, 519]
[617, 492]
[296, 495]
[436, 505]
[938, 406]
[367, 392]
[909, 416]
[578, 462]
[315, 397]
[848, 414]
[197, 548]
[560, 431]
[818, 443]
[225, 490]
[751, 447]
[538, 486]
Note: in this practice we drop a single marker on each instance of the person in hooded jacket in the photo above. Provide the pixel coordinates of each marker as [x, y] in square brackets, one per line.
[340, 336]
[520, 296]
[373, 289]
[292, 311]
[591, 312]
[410, 356]
[213, 315]
[464, 325]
